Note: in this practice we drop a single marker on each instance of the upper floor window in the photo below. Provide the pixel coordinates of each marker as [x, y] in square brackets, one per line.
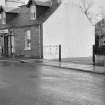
[33, 12]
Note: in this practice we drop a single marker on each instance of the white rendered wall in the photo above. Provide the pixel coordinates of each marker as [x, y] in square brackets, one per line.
[69, 27]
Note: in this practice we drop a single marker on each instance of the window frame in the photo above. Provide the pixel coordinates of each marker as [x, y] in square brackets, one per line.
[3, 18]
[33, 12]
[0, 16]
[27, 40]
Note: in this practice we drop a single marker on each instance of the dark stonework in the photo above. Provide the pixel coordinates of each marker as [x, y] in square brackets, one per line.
[20, 21]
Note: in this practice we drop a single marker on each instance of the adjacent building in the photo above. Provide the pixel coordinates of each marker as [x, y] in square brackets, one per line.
[69, 27]
[21, 28]
[99, 47]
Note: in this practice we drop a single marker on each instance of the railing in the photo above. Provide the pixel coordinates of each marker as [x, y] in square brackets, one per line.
[52, 52]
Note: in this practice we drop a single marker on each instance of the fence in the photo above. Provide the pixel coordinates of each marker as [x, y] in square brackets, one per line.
[52, 52]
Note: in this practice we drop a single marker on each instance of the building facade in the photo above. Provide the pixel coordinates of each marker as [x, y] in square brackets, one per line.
[70, 28]
[21, 28]
[99, 46]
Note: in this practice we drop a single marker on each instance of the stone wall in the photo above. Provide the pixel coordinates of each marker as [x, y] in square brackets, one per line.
[35, 42]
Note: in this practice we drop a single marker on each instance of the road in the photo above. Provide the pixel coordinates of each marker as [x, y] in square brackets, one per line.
[31, 84]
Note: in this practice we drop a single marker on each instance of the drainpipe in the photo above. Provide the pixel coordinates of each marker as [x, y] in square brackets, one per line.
[59, 53]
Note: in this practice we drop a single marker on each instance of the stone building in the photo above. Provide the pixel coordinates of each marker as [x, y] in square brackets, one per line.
[21, 28]
[99, 46]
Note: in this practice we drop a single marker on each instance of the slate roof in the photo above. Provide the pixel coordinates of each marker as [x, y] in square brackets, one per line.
[12, 10]
[47, 3]
[43, 2]
[38, 2]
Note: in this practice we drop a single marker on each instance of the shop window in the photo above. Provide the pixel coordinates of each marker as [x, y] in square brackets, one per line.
[33, 12]
[28, 40]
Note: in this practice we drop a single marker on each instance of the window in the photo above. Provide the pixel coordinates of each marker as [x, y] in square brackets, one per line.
[12, 43]
[0, 16]
[3, 17]
[33, 12]
[28, 40]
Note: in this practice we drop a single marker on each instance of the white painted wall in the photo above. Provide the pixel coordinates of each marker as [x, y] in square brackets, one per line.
[69, 27]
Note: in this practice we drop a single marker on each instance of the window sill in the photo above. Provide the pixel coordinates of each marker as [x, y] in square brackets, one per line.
[27, 49]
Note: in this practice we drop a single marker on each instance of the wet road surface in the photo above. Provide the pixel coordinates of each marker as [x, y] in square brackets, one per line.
[30, 84]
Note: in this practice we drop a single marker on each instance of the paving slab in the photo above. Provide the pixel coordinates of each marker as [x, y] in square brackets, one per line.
[65, 65]
[69, 65]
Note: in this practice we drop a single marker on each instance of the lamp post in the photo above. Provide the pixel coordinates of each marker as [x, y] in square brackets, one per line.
[59, 53]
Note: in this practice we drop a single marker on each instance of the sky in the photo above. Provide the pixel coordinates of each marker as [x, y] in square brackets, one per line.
[96, 11]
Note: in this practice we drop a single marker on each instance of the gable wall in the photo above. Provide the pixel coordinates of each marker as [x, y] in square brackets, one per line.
[69, 27]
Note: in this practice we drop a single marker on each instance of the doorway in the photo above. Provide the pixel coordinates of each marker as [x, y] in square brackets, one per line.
[6, 43]
[6, 52]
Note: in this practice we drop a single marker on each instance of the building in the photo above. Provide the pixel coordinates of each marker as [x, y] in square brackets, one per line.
[99, 47]
[21, 28]
[70, 28]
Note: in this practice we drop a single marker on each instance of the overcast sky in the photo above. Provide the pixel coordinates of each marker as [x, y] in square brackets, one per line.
[96, 11]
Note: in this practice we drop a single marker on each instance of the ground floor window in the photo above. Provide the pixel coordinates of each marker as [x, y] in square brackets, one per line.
[13, 44]
[28, 40]
[3, 18]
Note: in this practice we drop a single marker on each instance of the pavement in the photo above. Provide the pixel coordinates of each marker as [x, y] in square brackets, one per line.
[77, 64]
[78, 60]
[68, 65]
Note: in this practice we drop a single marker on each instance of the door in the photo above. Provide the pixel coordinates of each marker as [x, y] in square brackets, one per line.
[5, 45]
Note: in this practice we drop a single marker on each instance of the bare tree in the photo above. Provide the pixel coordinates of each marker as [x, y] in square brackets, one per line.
[102, 11]
[85, 6]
